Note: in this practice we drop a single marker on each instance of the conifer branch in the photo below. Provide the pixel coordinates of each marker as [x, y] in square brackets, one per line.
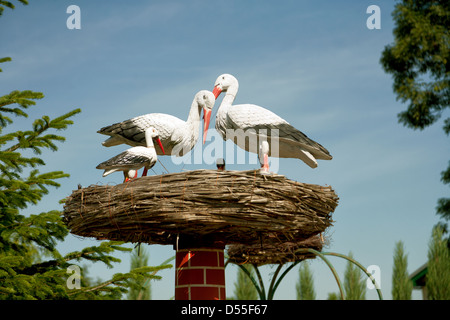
[9, 4]
[123, 279]
[17, 193]
[23, 98]
[98, 253]
[5, 59]
[33, 140]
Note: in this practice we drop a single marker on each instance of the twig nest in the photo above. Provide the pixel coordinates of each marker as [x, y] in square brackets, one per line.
[272, 251]
[239, 207]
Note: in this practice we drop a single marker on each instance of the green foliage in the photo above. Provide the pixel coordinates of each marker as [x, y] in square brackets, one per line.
[118, 285]
[22, 236]
[4, 59]
[438, 276]
[98, 253]
[22, 275]
[333, 296]
[354, 283]
[305, 285]
[443, 207]
[141, 289]
[419, 61]
[244, 289]
[25, 239]
[17, 189]
[401, 284]
[9, 4]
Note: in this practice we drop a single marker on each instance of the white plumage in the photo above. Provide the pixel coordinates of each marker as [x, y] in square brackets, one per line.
[247, 124]
[133, 158]
[177, 136]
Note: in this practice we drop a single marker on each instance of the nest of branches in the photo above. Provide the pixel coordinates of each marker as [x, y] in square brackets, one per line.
[232, 207]
[273, 251]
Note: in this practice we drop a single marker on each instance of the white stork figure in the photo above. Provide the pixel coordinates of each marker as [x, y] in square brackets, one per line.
[134, 158]
[178, 137]
[243, 122]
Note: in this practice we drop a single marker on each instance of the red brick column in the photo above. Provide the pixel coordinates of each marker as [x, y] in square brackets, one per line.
[200, 274]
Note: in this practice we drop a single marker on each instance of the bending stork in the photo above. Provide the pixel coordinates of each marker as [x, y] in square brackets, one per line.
[178, 137]
[134, 158]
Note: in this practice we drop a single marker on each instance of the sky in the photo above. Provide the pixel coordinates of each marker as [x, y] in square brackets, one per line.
[314, 63]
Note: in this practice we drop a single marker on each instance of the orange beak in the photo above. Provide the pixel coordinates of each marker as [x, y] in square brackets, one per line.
[206, 119]
[216, 91]
[160, 145]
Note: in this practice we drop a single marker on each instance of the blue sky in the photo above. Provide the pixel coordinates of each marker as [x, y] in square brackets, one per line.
[314, 63]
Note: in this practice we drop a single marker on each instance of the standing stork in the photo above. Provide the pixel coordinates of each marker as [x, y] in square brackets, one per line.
[285, 141]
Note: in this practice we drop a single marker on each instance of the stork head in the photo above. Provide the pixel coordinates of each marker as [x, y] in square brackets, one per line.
[205, 99]
[130, 174]
[151, 134]
[223, 83]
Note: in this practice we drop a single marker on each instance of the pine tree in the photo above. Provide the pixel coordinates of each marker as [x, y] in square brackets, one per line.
[244, 289]
[22, 275]
[354, 284]
[25, 239]
[305, 285]
[438, 276]
[21, 236]
[142, 289]
[401, 284]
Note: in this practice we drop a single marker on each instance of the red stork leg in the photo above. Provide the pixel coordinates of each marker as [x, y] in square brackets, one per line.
[265, 166]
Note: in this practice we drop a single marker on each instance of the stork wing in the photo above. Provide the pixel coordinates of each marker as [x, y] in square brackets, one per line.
[263, 121]
[132, 131]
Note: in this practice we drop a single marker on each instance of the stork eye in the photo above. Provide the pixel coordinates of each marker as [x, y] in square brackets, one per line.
[204, 96]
